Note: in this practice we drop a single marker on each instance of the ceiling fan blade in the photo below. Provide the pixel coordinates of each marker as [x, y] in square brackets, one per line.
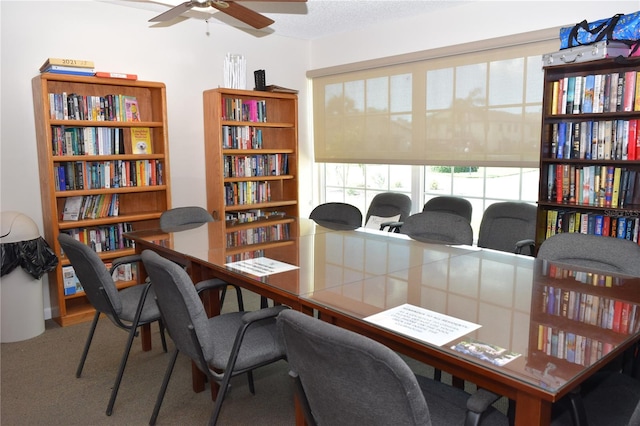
[174, 12]
[243, 14]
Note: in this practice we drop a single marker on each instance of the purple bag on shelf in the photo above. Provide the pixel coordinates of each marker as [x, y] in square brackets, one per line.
[619, 27]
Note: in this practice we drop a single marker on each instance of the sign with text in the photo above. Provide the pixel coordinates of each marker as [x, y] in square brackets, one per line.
[261, 266]
[423, 324]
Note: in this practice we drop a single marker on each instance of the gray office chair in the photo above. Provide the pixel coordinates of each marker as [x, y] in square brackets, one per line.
[609, 399]
[128, 309]
[222, 346]
[179, 218]
[388, 205]
[438, 227]
[335, 215]
[344, 378]
[184, 216]
[450, 204]
[609, 254]
[509, 226]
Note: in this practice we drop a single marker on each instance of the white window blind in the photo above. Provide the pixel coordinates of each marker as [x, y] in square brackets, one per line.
[473, 104]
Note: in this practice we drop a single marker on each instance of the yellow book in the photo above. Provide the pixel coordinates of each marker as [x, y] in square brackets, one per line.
[615, 190]
[67, 62]
[141, 140]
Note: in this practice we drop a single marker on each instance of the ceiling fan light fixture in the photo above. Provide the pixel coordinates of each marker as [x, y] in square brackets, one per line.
[219, 3]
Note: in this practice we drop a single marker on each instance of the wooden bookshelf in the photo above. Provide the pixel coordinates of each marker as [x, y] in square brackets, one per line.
[251, 155]
[585, 187]
[93, 147]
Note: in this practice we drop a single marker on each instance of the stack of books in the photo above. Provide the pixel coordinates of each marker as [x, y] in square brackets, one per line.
[68, 66]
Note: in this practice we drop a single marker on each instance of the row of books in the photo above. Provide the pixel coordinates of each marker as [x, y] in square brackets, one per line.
[251, 215]
[104, 238]
[87, 140]
[244, 256]
[91, 206]
[79, 175]
[572, 347]
[600, 186]
[596, 140]
[596, 93]
[589, 278]
[72, 285]
[242, 193]
[256, 165]
[241, 137]
[262, 234]
[72, 106]
[237, 109]
[603, 312]
[605, 225]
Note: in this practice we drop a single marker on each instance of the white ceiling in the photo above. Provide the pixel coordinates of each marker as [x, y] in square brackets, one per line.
[310, 20]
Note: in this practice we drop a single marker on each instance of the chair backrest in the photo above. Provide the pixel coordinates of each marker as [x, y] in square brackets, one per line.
[93, 275]
[438, 227]
[180, 216]
[180, 306]
[450, 204]
[504, 224]
[610, 254]
[337, 215]
[392, 206]
[348, 378]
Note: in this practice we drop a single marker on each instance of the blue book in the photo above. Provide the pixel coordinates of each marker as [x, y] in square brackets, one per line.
[86, 73]
[589, 86]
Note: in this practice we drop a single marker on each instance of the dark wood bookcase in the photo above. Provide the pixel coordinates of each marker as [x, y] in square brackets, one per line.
[98, 174]
[588, 183]
[251, 154]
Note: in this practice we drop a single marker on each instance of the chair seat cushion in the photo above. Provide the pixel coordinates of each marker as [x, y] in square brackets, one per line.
[130, 298]
[444, 403]
[261, 342]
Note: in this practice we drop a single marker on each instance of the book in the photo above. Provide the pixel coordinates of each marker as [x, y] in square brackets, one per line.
[107, 74]
[141, 140]
[51, 68]
[131, 110]
[64, 71]
[279, 89]
[72, 206]
[67, 62]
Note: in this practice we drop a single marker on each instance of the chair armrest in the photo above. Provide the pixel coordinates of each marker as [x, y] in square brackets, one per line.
[210, 284]
[526, 243]
[263, 313]
[477, 404]
[133, 258]
[393, 226]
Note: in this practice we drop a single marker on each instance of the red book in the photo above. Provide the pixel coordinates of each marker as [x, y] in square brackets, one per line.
[106, 74]
[617, 315]
[632, 140]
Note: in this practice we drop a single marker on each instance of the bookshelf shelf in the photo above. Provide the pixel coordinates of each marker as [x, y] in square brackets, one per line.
[139, 200]
[590, 151]
[248, 204]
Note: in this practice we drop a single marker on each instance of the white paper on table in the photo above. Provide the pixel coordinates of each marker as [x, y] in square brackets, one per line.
[423, 324]
[261, 266]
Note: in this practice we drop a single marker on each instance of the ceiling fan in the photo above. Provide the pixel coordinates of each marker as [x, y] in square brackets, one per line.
[231, 8]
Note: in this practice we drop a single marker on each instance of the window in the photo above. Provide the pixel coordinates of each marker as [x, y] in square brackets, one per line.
[462, 120]
[357, 184]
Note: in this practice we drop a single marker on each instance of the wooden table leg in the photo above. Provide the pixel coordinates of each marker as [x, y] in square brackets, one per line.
[532, 411]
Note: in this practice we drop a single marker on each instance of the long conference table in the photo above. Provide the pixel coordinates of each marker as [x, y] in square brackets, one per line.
[524, 328]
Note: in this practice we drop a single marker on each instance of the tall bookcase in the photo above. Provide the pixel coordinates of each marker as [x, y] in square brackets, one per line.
[86, 154]
[590, 150]
[251, 154]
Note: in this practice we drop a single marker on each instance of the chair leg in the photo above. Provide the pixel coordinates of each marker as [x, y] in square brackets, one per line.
[252, 387]
[163, 388]
[92, 330]
[221, 394]
[162, 336]
[123, 364]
